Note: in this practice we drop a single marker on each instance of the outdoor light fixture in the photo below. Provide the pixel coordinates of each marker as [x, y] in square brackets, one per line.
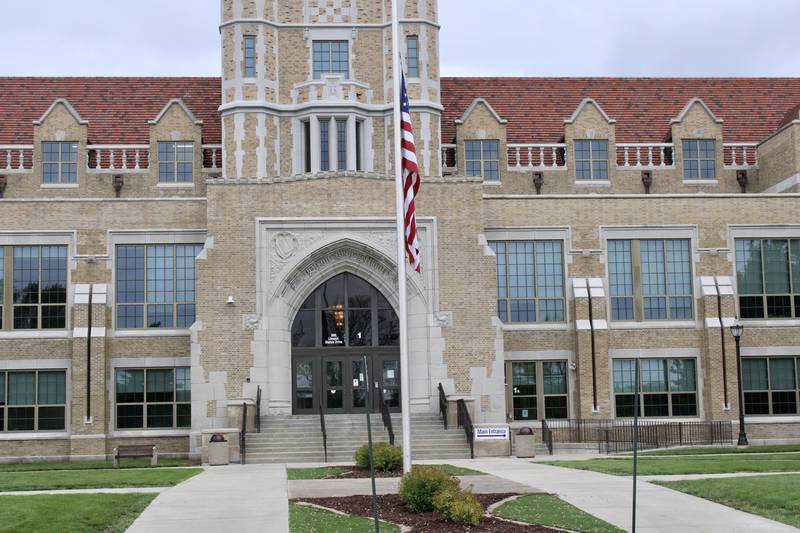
[338, 316]
[118, 183]
[538, 181]
[741, 178]
[736, 330]
[647, 180]
[230, 300]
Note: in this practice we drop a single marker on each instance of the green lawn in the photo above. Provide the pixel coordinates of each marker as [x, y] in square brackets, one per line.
[88, 465]
[774, 497]
[305, 519]
[322, 472]
[689, 465]
[78, 513]
[549, 510]
[772, 448]
[90, 479]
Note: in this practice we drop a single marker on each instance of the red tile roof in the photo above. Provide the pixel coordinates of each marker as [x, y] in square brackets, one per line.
[535, 108]
[118, 109]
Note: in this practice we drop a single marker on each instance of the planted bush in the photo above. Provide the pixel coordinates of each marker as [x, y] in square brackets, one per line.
[385, 457]
[418, 487]
[443, 499]
[465, 509]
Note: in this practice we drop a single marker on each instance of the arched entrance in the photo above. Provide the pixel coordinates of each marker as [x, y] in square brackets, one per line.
[343, 321]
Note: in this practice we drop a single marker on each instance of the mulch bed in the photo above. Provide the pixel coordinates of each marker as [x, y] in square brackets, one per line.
[392, 509]
[356, 472]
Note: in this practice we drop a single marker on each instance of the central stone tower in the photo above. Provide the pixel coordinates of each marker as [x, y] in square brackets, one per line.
[307, 86]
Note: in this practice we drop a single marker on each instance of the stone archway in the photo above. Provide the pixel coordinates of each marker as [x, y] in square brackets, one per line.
[293, 263]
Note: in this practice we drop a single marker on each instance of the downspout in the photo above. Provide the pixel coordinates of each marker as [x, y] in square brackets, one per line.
[726, 405]
[88, 418]
[594, 362]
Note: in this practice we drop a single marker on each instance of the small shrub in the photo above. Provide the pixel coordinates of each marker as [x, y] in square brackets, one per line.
[443, 499]
[419, 486]
[385, 457]
[465, 509]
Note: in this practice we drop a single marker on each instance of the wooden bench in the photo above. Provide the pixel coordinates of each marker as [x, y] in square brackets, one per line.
[146, 450]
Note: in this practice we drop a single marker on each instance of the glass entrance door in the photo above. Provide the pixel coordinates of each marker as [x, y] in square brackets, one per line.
[334, 385]
[304, 393]
[387, 374]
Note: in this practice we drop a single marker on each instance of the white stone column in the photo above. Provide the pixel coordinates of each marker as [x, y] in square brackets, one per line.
[315, 146]
[351, 143]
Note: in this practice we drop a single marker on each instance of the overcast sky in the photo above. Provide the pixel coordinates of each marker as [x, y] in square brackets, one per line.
[479, 37]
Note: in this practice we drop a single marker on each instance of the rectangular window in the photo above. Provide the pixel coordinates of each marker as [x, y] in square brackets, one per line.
[2, 284]
[699, 159]
[307, 146]
[153, 398]
[412, 56]
[668, 387]
[156, 285]
[537, 390]
[770, 385]
[331, 57]
[359, 126]
[60, 162]
[650, 279]
[768, 278]
[33, 400]
[249, 56]
[324, 145]
[530, 281]
[175, 162]
[341, 144]
[591, 160]
[38, 295]
[482, 159]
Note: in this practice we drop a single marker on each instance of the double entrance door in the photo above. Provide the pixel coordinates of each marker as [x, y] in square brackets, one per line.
[337, 383]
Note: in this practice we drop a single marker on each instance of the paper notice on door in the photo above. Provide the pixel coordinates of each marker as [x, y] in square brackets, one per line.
[361, 377]
[389, 373]
[355, 383]
[524, 413]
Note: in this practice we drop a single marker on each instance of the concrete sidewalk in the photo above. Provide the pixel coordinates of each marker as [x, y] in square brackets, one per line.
[233, 499]
[609, 498]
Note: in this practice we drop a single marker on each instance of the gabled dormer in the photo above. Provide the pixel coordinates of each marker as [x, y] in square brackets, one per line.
[59, 146]
[176, 155]
[697, 138]
[481, 137]
[590, 136]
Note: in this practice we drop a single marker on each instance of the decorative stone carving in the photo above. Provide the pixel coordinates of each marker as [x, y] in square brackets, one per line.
[444, 319]
[251, 322]
[590, 133]
[285, 244]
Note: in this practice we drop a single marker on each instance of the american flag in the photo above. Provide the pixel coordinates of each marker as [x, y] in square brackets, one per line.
[410, 178]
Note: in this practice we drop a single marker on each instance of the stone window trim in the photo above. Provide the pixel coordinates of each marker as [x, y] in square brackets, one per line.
[63, 365]
[766, 391]
[688, 232]
[143, 362]
[668, 354]
[315, 129]
[11, 239]
[541, 395]
[759, 231]
[249, 56]
[116, 238]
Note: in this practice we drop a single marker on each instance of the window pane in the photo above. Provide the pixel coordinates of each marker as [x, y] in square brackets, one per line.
[654, 375]
[52, 388]
[624, 375]
[130, 274]
[303, 329]
[160, 386]
[754, 374]
[388, 328]
[684, 405]
[130, 386]
[130, 416]
[359, 323]
[54, 274]
[682, 375]
[21, 418]
[555, 377]
[26, 317]
[784, 403]
[412, 55]
[795, 260]
[159, 416]
[656, 404]
[781, 373]
[620, 270]
[756, 403]
[26, 275]
[184, 415]
[52, 418]
[624, 405]
[183, 385]
[776, 266]
[21, 388]
[555, 407]
[523, 378]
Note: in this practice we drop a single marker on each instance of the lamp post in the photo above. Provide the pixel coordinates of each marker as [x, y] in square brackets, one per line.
[736, 330]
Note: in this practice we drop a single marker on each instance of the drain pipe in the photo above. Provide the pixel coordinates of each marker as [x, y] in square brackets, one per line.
[591, 336]
[726, 404]
[88, 418]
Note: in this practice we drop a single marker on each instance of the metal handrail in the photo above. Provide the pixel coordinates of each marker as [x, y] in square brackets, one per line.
[465, 421]
[547, 436]
[386, 416]
[243, 434]
[443, 405]
[324, 432]
[258, 409]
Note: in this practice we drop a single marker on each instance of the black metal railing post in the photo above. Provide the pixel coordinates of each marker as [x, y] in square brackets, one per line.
[386, 416]
[258, 409]
[465, 421]
[443, 405]
[243, 434]
[324, 432]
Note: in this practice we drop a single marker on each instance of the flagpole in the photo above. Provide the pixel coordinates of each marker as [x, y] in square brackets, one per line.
[405, 404]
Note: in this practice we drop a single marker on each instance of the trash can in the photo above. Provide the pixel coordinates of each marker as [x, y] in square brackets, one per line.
[218, 450]
[524, 443]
